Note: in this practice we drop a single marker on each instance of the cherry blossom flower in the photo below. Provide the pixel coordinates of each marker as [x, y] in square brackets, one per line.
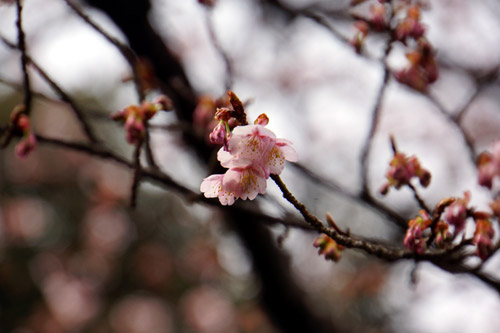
[212, 188]
[257, 146]
[252, 154]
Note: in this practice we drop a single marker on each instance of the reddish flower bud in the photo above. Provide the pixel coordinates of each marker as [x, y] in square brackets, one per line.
[26, 145]
[415, 240]
[443, 234]
[135, 118]
[456, 213]
[378, 16]
[328, 247]
[423, 68]
[219, 135]
[486, 169]
[410, 26]
[360, 35]
[483, 237]
[402, 169]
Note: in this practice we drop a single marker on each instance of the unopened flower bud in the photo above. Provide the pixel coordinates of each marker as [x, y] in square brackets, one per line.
[456, 213]
[443, 234]
[26, 145]
[483, 236]
[414, 239]
[219, 134]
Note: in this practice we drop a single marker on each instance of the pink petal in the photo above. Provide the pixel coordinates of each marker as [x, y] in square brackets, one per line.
[287, 149]
[211, 186]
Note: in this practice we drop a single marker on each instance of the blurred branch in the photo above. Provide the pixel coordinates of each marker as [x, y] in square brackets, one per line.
[137, 174]
[163, 179]
[218, 47]
[450, 260]
[365, 192]
[127, 52]
[64, 96]
[370, 202]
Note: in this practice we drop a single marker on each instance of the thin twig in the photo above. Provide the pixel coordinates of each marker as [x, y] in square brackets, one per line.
[126, 51]
[150, 158]
[218, 47]
[166, 181]
[455, 121]
[137, 174]
[21, 45]
[373, 126]
[367, 201]
[64, 96]
[388, 253]
[419, 199]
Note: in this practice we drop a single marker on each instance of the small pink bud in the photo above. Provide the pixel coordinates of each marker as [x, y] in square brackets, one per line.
[26, 145]
[218, 135]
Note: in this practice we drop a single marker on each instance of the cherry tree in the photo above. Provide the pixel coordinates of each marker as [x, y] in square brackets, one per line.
[272, 165]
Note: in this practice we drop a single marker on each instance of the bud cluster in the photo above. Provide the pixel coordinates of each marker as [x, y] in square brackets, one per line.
[402, 21]
[136, 116]
[328, 247]
[424, 231]
[402, 169]
[422, 69]
[250, 152]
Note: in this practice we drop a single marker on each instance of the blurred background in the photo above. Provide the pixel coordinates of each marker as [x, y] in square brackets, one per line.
[74, 257]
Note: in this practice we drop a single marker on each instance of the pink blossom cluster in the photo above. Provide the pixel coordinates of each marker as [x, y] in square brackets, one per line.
[251, 155]
[328, 247]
